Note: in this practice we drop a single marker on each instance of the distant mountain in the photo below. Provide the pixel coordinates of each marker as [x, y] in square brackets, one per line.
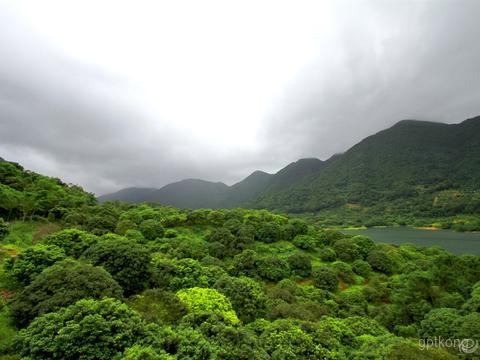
[195, 193]
[189, 193]
[431, 167]
[413, 162]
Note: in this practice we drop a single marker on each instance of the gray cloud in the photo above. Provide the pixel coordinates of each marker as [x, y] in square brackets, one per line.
[382, 62]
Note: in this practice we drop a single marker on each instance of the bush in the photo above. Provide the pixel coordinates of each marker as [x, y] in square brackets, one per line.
[361, 268]
[325, 278]
[273, 268]
[301, 264]
[89, 329]
[151, 229]
[73, 241]
[127, 261]
[25, 266]
[61, 285]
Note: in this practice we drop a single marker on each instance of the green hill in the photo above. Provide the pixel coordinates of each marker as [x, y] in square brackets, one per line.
[425, 167]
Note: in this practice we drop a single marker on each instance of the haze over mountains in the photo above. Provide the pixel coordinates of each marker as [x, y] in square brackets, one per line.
[411, 160]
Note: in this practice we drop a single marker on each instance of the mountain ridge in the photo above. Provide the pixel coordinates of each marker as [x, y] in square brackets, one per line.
[411, 159]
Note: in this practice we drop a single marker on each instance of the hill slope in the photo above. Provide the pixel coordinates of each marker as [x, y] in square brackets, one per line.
[195, 193]
[413, 160]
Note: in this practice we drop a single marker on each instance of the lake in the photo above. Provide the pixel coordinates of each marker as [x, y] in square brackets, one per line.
[455, 242]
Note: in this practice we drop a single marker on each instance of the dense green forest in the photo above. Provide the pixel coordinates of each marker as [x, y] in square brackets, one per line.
[416, 173]
[81, 280]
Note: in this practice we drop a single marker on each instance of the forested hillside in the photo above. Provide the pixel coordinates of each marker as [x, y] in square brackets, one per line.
[413, 170]
[124, 281]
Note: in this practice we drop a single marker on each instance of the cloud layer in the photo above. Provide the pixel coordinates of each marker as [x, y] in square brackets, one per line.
[145, 93]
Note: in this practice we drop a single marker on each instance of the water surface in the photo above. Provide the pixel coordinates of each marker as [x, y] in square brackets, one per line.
[456, 242]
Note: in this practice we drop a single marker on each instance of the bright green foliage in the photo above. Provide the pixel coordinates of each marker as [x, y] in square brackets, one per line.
[246, 295]
[151, 229]
[325, 278]
[73, 241]
[127, 262]
[88, 329]
[31, 262]
[344, 272]
[61, 285]
[204, 300]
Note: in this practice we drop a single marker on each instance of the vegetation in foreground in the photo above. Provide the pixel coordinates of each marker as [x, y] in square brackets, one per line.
[118, 281]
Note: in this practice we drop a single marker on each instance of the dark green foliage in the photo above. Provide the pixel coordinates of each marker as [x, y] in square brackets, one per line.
[73, 241]
[344, 272]
[270, 232]
[362, 268]
[272, 268]
[61, 285]
[246, 295]
[300, 264]
[381, 261]
[325, 278]
[24, 193]
[31, 262]
[304, 242]
[347, 249]
[151, 229]
[159, 306]
[89, 329]
[327, 254]
[3, 229]
[127, 261]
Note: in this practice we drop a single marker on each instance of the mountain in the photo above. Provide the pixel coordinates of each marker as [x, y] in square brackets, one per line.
[429, 168]
[189, 193]
[412, 163]
[195, 193]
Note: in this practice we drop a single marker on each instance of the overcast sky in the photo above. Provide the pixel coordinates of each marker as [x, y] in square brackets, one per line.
[110, 94]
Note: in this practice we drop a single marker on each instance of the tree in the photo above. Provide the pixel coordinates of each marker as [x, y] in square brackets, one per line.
[246, 295]
[32, 261]
[88, 329]
[3, 229]
[301, 264]
[304, 242]
[151, 229]
[61, 285]
[361, 268]
[440, 322]
[269, 232]
[127, 261]
[347, 249]
[325, 278]
[73, 241]
[381, 261]
[201, 301]
[159, 306]
[273, 268]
